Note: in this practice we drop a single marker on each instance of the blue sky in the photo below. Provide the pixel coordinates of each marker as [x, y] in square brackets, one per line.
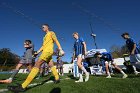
[66, 17]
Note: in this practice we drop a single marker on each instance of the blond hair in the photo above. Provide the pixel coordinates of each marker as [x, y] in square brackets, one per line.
[75, 33]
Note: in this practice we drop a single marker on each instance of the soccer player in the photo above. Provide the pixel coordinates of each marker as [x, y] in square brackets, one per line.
[79, 53]
[106, 58]
[59, 65]
[25, 60]
[46, 56]
[134, 50]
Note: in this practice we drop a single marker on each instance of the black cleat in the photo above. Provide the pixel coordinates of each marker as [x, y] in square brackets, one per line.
[57, 81]
[16, 89]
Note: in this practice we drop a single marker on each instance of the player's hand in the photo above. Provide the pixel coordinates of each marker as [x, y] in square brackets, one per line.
[61, 52]
[35, 54]
[132, 53]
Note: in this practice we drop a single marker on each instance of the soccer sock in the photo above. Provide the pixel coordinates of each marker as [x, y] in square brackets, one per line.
[54, 72]
[134, 68]
[80, 74]
[84, 70]
[30, 77]
[122, 72]
[13, 74]
[108, 73]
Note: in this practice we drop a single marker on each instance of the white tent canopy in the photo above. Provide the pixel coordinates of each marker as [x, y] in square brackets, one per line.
[91, 52]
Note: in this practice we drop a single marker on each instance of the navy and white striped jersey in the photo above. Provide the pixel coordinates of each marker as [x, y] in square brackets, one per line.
[79, 47]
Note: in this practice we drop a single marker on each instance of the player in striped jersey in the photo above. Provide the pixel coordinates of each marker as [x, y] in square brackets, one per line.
[79, 53]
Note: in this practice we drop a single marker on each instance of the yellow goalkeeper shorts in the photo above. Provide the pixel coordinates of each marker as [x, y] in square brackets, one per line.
[46, 56]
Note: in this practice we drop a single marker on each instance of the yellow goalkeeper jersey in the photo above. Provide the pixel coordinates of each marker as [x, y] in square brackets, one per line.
[48, 45]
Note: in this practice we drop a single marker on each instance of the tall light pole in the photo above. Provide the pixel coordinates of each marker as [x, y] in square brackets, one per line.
[94, 36]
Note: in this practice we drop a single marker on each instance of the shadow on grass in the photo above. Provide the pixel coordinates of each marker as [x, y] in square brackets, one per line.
[133, 76]
[55, 90]
[72, 77]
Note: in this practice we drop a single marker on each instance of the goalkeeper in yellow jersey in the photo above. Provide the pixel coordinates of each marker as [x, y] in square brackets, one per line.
[46, 51]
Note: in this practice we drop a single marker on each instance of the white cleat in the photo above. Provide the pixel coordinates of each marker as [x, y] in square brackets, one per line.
[125, 76]
[136, 72]
[108, 76]
[87, 77]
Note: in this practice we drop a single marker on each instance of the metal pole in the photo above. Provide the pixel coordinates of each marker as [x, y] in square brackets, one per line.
[94, 36]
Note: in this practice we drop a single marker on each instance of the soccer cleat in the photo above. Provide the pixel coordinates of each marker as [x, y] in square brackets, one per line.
[125, 76]
[136, 72]
[16, 89]
[57, 81]
[108, 76]
[80, 80]
[87, 77]
[112, 73]
[7, 81]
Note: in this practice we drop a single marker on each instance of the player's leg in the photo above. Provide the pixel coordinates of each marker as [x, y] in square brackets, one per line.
[118, 68]
[110, 68]
[16, 70]
[137, 63]
[53, 70]
[80, 76]
[41, 71]
[61, 70]
[10, 79]
[33, 73]
[133, 60]
[46, 69]
[30, 66]
[79, 63]
[58, 68]
[107, 70]
[103, 67]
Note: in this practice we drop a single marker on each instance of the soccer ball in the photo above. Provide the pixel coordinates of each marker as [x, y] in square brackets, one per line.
[61, 53]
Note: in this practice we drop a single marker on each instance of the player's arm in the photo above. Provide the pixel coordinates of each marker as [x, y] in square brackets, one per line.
[85, 47]
[56, 41]
[40, 50]
[73, 56]
[134, 48]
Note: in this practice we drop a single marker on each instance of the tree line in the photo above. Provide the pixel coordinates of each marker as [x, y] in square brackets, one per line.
[7, 58]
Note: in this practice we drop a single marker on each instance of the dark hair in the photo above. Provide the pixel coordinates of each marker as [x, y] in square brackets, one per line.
[28, 41]
[48, 26]
[125, 34]
[96, 54]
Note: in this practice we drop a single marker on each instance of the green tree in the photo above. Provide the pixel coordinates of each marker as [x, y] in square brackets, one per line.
[124, 50]
[115, 51]
[118, 51]
[7, 58]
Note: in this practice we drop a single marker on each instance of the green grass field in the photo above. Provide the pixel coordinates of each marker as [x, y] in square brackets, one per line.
[96, 84]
